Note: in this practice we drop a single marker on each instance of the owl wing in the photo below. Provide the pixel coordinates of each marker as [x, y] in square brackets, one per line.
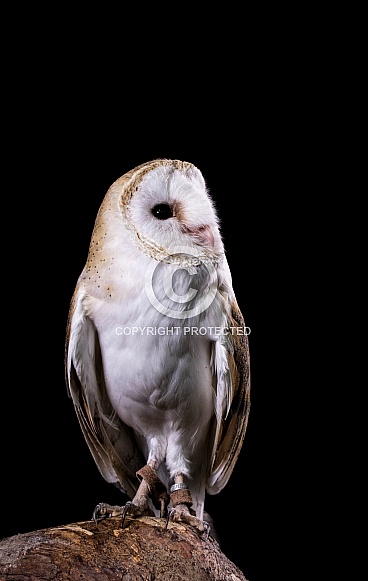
[231, 358]
[110, 441]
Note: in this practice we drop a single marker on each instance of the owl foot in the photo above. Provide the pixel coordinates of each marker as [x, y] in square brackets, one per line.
[103, 510]
[182, 513]
[150, 487]
[134, 511]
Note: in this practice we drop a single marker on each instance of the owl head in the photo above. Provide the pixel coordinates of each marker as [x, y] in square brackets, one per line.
[166, 206]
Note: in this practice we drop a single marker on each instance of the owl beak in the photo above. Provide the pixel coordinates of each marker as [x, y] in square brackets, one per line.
[203, 235]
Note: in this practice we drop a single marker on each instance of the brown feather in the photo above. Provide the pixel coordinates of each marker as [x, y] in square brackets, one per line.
[234, 425]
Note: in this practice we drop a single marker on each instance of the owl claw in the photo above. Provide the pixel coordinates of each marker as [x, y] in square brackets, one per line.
[103, 510]
[207, 530]
[181, 513]
[128, 506]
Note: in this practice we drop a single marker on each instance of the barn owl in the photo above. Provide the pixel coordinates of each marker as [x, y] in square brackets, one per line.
[157, 357]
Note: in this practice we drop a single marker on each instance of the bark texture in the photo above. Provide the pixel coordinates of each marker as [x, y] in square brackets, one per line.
[144, 550]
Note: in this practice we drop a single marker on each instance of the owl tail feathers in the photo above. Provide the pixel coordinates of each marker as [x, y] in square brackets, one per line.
[157, 489]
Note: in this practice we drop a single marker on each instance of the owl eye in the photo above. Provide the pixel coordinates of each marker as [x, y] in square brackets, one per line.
[162, 211]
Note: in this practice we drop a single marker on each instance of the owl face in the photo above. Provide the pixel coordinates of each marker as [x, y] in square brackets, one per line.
[174, 209]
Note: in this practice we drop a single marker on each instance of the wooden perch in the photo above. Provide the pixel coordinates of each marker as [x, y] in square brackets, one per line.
[144, 550]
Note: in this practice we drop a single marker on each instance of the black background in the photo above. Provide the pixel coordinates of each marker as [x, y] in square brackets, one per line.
[266, 104]
[62, 161]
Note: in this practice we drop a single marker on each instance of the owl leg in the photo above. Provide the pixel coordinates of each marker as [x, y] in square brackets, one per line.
[181, 511]
[150, 487]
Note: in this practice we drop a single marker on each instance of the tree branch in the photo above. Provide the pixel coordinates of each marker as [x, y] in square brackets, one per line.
[144, 550]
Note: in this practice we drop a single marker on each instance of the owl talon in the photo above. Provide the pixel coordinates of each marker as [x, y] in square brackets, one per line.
[134, 511]
[181, 513]
[207, 530]
[100, 512]
[103, 510]
[125, 511]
